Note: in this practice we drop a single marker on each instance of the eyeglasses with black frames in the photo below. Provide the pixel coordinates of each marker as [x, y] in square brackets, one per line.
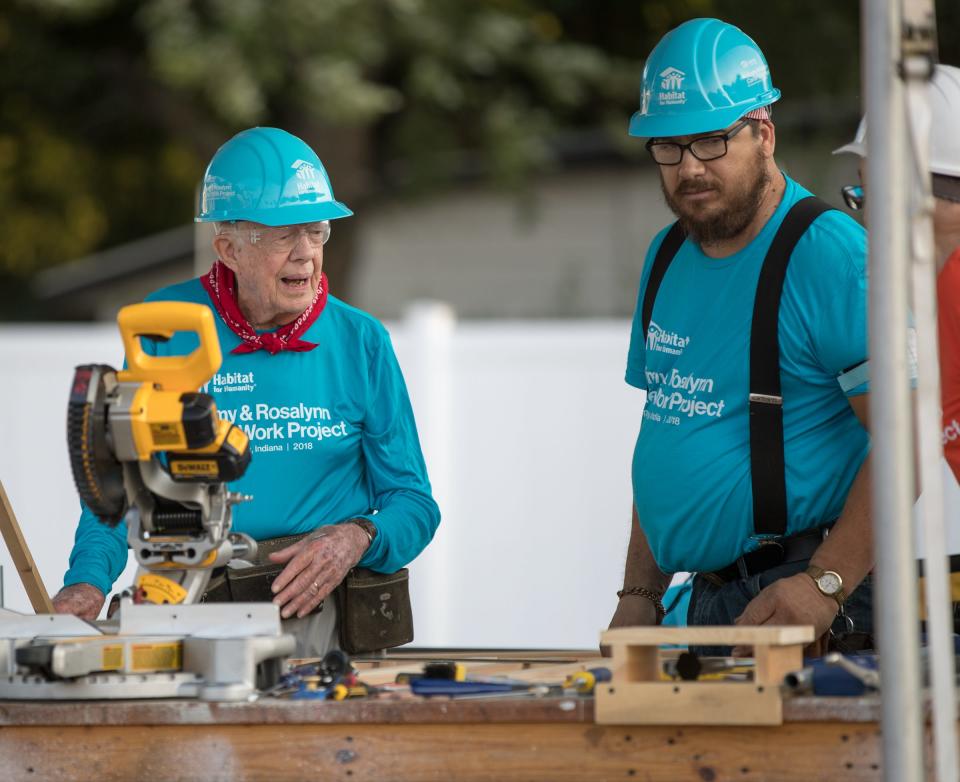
[670, 153]
[852, 197]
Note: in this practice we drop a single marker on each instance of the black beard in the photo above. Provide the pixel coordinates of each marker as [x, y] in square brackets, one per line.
[731, 221]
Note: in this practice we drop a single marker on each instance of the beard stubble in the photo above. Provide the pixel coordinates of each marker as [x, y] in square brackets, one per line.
[743, 203]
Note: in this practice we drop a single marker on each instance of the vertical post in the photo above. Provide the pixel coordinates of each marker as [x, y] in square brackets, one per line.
[890, 404]
[429, 327]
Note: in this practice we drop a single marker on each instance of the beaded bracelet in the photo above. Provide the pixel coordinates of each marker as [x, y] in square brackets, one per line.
[650, 595]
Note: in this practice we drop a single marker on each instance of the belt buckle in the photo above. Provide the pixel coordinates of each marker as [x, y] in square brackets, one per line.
[771, 553]
[773, 542]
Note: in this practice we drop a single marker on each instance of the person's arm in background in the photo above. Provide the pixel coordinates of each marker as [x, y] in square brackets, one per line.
[406, 514]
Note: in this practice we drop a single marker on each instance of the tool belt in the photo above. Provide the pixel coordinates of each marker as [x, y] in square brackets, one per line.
[374, 608]
[773, 552]
[251, 584]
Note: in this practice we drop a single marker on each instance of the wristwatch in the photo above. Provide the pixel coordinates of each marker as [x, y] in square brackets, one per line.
[828, 582]
[366, 525]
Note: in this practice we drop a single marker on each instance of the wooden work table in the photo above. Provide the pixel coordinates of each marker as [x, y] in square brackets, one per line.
[519, 738]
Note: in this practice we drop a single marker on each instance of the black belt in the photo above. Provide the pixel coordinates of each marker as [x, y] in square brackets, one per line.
[773, 552]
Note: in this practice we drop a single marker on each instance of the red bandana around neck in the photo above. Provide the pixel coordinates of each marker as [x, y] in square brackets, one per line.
[221, 285]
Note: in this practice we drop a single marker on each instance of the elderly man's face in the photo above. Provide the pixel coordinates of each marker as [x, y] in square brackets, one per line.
[716, 200]
[278, 268]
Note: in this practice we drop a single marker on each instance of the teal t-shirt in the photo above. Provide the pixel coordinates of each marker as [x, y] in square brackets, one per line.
[332, 436]
[691, 464]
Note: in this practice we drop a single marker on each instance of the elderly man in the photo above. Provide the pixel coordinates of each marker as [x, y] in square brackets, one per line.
[337, 475]
[945, 174]
[750, 465]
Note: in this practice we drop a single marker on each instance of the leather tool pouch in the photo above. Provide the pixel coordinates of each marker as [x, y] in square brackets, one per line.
[250, 584]
[374, 610]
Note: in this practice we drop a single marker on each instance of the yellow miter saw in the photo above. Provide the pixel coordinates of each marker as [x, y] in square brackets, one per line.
[145, 446]
[149, 450]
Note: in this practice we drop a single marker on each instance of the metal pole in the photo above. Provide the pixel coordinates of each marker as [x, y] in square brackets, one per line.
[919, 49]
[890, 404]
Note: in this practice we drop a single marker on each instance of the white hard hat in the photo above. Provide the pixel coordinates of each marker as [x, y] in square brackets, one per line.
[859, 144]
[944, 138]
[945, 103]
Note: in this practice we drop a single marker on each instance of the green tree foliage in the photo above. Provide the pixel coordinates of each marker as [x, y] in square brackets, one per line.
[109, 109]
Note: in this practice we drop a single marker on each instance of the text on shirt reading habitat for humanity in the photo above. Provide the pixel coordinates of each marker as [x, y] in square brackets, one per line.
[674, 394]
[284, 427]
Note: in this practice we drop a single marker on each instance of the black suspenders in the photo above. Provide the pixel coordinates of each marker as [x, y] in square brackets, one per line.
[767, 468]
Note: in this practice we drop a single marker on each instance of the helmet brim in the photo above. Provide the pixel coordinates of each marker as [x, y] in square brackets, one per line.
[666, 125]
[288, 215]
[854, 148]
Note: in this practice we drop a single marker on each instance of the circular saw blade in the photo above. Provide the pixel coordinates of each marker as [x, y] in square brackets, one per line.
[97, 473]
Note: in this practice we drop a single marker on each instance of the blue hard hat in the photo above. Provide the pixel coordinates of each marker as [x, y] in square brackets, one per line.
[268, 176]
[703, 75]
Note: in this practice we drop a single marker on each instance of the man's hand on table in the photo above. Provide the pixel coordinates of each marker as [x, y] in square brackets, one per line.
[83, 600]
[315, 566]
[791, 601]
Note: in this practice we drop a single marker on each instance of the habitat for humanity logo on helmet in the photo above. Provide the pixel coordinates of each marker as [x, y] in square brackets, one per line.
[671, 84]
[309, 179]
[664, 341]
[754, 71]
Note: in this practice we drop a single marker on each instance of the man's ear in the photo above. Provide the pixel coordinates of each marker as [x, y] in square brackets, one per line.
[225, 246]
[768, 137]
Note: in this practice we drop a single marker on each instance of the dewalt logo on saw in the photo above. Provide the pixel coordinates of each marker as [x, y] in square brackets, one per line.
[207, 469]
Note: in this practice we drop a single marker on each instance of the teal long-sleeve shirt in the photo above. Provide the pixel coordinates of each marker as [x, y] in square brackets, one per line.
[332, 436]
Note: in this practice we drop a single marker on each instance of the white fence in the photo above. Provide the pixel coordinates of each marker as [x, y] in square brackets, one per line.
[527, 428]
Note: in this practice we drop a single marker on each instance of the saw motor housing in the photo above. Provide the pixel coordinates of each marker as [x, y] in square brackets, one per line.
[146, 446]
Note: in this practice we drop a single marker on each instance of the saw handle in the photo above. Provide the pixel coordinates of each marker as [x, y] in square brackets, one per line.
[163, 319]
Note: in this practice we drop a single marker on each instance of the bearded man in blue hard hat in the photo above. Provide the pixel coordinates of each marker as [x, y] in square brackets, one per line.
[338, 477]
[750, 341]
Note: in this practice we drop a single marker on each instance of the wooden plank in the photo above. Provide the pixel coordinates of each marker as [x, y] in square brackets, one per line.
[22, 559]
[436, 753]
[404, 653]
[273, 711]
[688, 703]
[721, 636]
[382, 710]
[641, 663]
[773, 663]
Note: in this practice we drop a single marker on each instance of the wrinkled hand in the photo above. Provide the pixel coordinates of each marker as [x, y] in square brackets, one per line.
[315, 566]
[632, 611]
[83, 600]
[791, 601]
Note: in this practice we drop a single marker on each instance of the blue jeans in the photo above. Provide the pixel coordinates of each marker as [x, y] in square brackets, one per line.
[720, 605]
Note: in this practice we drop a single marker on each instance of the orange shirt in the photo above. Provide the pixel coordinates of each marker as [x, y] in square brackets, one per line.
[948, 302]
